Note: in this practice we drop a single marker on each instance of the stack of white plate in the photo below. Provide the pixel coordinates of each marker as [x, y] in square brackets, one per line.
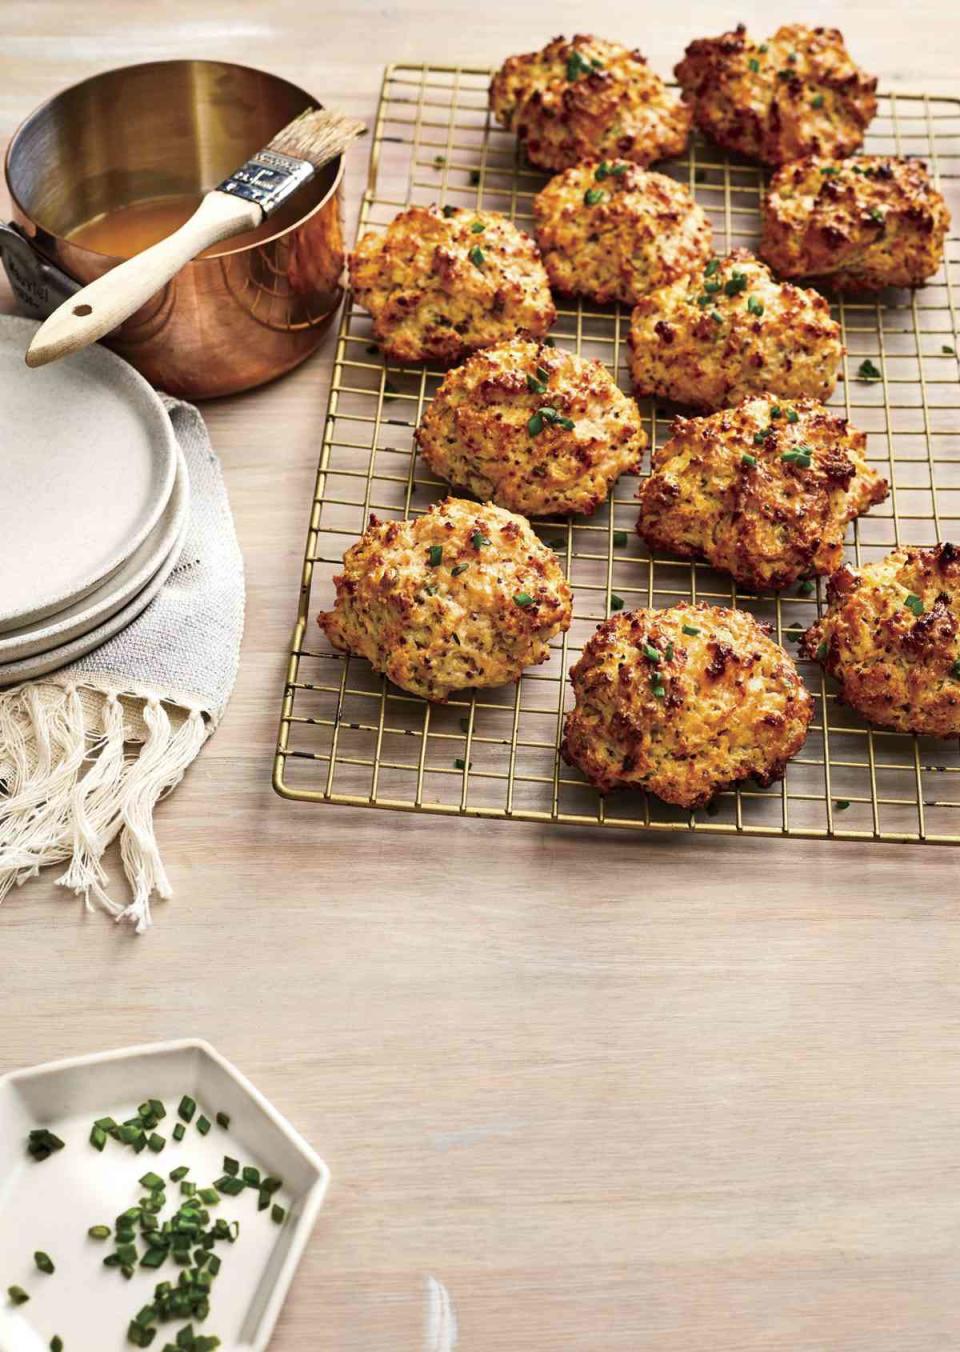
[94, 503]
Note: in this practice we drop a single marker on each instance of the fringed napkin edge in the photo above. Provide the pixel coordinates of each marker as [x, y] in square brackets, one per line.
[82, 761]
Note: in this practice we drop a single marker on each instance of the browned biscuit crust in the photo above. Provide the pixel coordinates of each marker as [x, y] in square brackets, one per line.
[585, 99]
[763, 491]
[683, 702]
[612, 231]
[730, 331]
[463, 596]
[533, 429]
[890, 637]
[440, 284]
[797, 93]
[858, 224]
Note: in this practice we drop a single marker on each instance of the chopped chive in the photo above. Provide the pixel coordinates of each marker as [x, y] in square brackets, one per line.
[181, 1171]
[754, 306]
[522, 598]
[210, 1196]
[139, 1336]
[151, 1181]
[223, 1120]
[105, 1123]
[272, 1184]
[41, 1144]
[948, 351]
[792, 415]
[99, 1232]
[230, 1186]
[251, 1175]
[736, 283]
[716, 316]
[876, 214]
[651, 653]
[203, 1124]
[156, 1142]
[616, 602]
[914, 603]
[439, 161]
[476, 256]
[535, 425]
[459, 568]
[478, 539]
[536, 386]
[822, 651]
[805, 589]
[230, 1166]
[817, 101]
[17, 1295]
[98, 1137]
[711, 267]
[775, 411]
[658, 690]
[800, 458]
[187, 1189]
[187, 1108]
[754, 64]
[147, 1315]
[619, 539]
[867, 371]
[955, 670]
[179, 1131]
[157, 1109]
[760, 437]
[56, 1343]
[277, 1214]
[44, 1262]
[213, 1265]
[842, 804]
[747, 459]
[691, 630]
[592, 196]
[668, 654]
[477, 228]
[435, 555]
[448, 211]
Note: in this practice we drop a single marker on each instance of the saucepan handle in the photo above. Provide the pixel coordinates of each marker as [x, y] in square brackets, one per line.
[39, 285]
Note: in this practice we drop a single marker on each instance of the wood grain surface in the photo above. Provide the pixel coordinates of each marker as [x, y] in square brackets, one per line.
[613, 1092]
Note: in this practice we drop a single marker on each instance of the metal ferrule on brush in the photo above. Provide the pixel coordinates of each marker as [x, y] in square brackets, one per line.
[268, 179]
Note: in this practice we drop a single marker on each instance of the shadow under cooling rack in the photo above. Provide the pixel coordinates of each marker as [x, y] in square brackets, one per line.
[348, 736]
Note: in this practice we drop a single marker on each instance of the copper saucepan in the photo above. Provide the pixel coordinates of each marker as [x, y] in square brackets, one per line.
[175, 129]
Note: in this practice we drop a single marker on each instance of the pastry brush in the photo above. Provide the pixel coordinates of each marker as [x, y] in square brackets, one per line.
[242, 202]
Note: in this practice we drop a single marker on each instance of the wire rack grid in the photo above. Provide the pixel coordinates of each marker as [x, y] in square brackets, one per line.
[348, 736]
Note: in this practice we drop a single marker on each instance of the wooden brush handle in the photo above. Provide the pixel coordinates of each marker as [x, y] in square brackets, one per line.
[114, 297]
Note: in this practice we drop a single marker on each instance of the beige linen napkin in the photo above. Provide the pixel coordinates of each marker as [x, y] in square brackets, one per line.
[87, 752]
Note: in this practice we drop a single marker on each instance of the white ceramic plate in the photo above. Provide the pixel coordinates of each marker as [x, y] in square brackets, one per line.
[88, 460]
[50, 1205]
[29, 668]
[104, 602]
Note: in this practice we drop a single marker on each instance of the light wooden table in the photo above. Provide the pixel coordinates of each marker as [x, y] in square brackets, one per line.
[614, 1093]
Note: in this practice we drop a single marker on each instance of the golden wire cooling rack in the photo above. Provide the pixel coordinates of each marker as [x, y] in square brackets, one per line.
[348, 736]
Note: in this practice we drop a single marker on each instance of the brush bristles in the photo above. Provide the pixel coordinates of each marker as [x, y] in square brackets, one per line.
[318, 136]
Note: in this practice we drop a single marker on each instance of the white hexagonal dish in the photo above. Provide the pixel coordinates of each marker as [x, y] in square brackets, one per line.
[50, 1205]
